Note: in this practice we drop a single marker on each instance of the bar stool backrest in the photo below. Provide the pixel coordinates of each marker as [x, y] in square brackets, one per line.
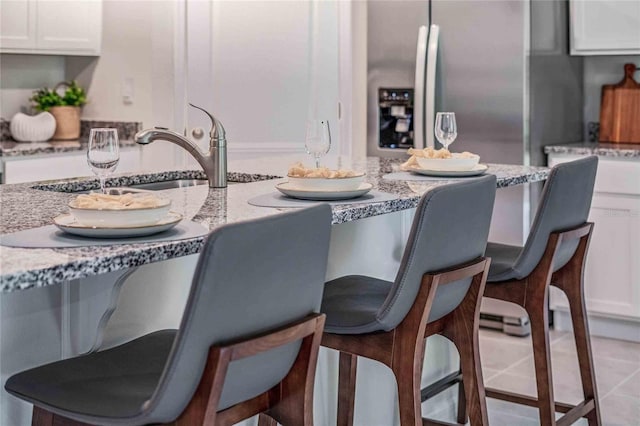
[565, 204]
[450, 227]
[251, 277]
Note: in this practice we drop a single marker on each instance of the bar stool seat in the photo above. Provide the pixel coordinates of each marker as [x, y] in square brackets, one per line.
[505, 258]
[352, 303]
[111, 383]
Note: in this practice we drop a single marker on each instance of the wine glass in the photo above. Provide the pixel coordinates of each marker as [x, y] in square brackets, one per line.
[446, 130]
[317, 139]
[103, 153]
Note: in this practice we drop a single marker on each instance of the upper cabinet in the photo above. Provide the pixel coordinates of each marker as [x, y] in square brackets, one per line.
[51, 27]
[605, 27]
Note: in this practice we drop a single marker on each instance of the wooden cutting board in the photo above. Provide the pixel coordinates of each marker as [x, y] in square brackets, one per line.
[620, 110]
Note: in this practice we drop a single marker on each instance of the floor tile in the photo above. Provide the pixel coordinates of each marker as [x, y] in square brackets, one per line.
[620, 410]
[499, 354]
[488, 373]
[566, 373]
[508, 365]
[498, 418]
[605, 348]
[630, 387]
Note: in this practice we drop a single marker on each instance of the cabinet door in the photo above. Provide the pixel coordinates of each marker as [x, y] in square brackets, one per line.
[69, 26]
[17, 24]
[605, 27]
[612, 272]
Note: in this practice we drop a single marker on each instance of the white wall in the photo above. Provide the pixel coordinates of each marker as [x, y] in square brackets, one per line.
[598, 71]
[250, 64]
[20, 75]
[137, 46]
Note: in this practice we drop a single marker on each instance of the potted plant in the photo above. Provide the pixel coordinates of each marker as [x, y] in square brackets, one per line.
[64, 107]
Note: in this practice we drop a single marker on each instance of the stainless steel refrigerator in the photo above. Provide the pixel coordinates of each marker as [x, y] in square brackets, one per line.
[503, 66]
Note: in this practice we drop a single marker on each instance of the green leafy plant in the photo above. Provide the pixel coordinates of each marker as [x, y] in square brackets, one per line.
[45, 98]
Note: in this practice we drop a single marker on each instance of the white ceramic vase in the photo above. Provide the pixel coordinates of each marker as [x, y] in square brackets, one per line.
[36, 128]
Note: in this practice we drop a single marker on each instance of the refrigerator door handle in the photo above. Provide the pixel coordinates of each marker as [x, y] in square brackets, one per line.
[430, 82]
[419, 92]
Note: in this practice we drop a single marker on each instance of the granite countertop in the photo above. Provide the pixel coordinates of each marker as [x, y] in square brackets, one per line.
[9, 148]
[617, 150]
[24, 207]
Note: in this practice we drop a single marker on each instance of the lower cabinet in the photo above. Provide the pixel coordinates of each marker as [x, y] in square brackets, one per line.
[612, 273]
[62, 166]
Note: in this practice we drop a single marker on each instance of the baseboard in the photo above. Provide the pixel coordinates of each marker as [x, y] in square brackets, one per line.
[614, 328]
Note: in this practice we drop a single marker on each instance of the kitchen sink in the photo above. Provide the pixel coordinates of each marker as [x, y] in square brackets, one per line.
[170, 184]
[128, 184]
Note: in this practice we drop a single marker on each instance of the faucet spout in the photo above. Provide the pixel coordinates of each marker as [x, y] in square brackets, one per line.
[214, 162]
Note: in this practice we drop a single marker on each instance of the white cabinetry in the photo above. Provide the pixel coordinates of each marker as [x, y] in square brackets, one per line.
[612, 273]
[62, 166]
[72, 27]
[605, 27]
[17, 24]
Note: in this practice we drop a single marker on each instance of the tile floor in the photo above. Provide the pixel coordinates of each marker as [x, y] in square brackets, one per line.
[508, 364]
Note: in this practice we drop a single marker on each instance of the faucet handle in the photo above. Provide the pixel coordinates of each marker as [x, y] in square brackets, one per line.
[217, 132]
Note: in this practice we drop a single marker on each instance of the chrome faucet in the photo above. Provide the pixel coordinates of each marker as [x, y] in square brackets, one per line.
[213, 162]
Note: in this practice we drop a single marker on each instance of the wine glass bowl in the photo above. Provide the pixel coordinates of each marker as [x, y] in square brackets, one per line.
[103, 153]
[445, 128]
[317, 140]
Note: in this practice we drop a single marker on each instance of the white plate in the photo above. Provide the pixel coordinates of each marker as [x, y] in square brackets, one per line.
[121, 218]
[476, 171]
[456, 163]
[68, 223]
[294, 192]
[327, 184]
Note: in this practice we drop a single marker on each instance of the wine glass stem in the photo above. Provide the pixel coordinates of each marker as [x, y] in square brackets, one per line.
[102, 182]
[317, 162]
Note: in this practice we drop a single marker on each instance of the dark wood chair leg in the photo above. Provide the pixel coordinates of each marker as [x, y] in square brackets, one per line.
[408, 375]
[585, 359]
[265, 420]
[462, 330]
[539, 318]
[346, 388]
[570, 280]
[462, 416]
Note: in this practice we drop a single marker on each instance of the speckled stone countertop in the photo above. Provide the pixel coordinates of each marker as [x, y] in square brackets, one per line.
[617, 150]
[25, 207]
[10, 148]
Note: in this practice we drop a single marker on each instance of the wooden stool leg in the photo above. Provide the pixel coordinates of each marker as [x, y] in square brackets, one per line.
[472, 385]
[462, 404]
[539, 318]
[265, 420]
[575, 296]
[408, 374]
[346, 388]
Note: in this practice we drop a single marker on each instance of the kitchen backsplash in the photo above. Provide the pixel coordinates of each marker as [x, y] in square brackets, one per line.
[126, 129]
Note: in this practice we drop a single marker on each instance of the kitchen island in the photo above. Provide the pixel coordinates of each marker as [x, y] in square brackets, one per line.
[74, 310]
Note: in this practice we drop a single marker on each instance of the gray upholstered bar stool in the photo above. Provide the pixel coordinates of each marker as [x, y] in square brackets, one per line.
[247, 343]
[437, 290]
[554, 254]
